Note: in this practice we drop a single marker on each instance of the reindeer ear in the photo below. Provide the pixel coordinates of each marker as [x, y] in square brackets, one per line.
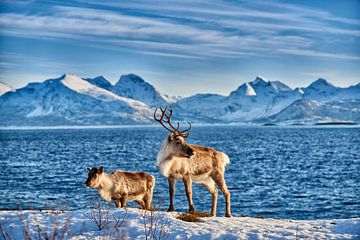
[171, 136]
[101, 169]
[88, 169]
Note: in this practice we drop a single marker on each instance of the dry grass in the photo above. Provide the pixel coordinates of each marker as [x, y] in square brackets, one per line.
[108, 224]
[156, 227]
[193, 217]
[99, 214]
[32, 228]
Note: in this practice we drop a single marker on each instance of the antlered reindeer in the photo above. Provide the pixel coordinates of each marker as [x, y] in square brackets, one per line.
[179, 160]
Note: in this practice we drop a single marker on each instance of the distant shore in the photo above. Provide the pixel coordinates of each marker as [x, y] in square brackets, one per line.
[345, 124]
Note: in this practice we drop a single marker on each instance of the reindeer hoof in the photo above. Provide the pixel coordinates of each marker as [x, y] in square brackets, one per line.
[171, 209]
[228, 215]
[192, 209]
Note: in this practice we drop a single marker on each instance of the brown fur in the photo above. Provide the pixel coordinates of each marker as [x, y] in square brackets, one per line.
[204, 165]
[121, 186]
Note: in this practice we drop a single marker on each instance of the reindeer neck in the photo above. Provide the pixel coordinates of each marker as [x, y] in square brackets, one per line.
[105, 186]
[163, 152]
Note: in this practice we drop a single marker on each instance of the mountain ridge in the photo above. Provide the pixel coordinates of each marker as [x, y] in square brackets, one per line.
[73, 100]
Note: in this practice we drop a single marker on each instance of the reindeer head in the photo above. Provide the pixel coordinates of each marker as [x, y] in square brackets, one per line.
[94, 175]
[176, 140]
[179, 147]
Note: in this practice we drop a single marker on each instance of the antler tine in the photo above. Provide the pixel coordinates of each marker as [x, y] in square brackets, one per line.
[170, 111]
[155, 114]
[161, 120]
[168, 117]
[162, 115]
[174, 130]
[185, 133]
[163, 111]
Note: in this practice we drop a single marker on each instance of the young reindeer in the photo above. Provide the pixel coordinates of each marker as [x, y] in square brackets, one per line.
[179, 160]
[121, 186]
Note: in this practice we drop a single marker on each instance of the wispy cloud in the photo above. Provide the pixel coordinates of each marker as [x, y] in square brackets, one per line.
[191, 29]
[310, 53]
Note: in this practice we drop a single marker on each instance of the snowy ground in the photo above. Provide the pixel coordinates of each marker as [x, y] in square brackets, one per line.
[129, 224]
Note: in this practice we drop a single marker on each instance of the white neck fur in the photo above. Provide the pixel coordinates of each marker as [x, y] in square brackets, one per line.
[105, 186]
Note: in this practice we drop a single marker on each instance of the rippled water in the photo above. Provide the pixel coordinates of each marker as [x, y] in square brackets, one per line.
[294, 172]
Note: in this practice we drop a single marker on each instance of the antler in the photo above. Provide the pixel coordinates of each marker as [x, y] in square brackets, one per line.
[185, 133]
[174, 130]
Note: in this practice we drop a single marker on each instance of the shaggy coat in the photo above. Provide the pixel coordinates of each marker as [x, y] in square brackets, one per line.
[121, 186]
[179, 160]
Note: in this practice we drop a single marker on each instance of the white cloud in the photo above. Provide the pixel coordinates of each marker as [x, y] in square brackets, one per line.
[187, 29]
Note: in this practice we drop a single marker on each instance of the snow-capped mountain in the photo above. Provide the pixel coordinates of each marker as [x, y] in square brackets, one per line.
[265, 101]
[324, 91]
[311, 111]
[209, 105]
[252, 100]
[134, 87]
[4, 88]
[101, 82]
[71, 100]
[258, 99]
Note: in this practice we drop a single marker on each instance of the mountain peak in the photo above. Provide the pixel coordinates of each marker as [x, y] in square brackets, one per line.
[67, 77]
[321, 82]
[260, 80]
[101, 77]
[134, 87]
[131, 77]
[100, 81]
[320, 90]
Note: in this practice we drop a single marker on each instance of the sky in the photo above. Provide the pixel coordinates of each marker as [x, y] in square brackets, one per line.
[182, 47]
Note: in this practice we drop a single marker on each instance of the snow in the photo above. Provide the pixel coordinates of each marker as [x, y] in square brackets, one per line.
[249, 90]
[134, 87]
[95, 101]
[4, 88]
[259, 80]
[70, 100]
[81, 86]
[78, 225]
[39, 111]
[100, 81]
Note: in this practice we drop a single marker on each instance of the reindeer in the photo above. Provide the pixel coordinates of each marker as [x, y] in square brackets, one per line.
[179, 160]
[121, 186]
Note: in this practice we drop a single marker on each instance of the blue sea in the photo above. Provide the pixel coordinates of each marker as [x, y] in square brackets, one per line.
[280, 172]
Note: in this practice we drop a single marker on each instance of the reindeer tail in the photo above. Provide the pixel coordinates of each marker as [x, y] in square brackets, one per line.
[226, 159]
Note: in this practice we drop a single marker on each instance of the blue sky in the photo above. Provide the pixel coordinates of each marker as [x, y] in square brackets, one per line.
[182, 47]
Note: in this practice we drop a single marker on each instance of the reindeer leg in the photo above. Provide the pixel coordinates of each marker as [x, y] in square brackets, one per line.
[210, 185]
[117, 203]
[188, 188]
[123, 201]
[171, 181]
[141, 203]
[220, 181]
[148, 201]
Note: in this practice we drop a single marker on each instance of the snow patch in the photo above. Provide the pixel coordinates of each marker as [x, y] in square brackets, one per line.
[79, 85]
[249, 90]
[80, 226]
[39, 112]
